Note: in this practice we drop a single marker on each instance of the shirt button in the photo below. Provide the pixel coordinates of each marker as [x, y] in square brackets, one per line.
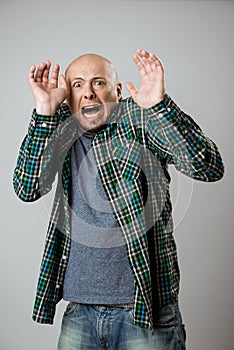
[160, 115]
[57, 286]
[168, 109]
[43, 125]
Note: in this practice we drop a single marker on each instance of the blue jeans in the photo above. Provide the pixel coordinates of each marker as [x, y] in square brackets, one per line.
[95, 327]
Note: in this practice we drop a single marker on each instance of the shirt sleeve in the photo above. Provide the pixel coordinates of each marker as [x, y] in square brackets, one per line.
[26, 178]
[176, 137]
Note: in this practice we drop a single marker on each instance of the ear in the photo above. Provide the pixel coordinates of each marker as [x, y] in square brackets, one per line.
[119, 91]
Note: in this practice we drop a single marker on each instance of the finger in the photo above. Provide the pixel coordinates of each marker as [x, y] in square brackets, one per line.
[140, 64]
[131, 89]
[31, 73]
[147, 54]
[152, 64]
[143, 53]
[146, 60]
[54, 75]
[63, 83]
[40, 72]
[45, 75]
[156, 61]
[147, 64]
[148, 57]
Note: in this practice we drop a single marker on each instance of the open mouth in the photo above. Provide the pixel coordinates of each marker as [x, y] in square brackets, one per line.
[92, 111]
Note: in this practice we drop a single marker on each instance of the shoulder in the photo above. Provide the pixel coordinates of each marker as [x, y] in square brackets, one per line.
[129, 111]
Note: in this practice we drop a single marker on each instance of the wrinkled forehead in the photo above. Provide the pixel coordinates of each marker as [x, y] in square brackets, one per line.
[88, 67]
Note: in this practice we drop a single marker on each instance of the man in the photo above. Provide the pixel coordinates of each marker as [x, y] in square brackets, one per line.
[110, 250]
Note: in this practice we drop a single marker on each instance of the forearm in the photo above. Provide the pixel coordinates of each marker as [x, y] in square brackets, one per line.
[26, 178]
[181, 140]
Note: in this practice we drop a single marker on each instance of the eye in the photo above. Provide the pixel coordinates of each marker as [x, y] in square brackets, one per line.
[98, 83]
[77, 84]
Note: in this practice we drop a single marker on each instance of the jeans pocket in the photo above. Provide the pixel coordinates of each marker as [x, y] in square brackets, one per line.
[70, 309]
[166, 316]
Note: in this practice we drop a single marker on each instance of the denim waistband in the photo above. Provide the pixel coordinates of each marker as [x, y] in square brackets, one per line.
[113, 306]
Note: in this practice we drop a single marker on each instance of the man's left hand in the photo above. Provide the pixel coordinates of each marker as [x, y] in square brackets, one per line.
[152, 87]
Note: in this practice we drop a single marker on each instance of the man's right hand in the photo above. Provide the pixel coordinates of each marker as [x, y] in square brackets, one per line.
[48, 96]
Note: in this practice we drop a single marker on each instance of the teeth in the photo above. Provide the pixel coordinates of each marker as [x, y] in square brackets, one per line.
[91, 111]
[90, 115]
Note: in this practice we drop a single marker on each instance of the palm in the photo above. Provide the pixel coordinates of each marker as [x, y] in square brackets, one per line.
[48, 93]
[48, 96]
[152, 89]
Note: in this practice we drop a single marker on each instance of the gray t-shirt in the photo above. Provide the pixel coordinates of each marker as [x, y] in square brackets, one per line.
[98, 270]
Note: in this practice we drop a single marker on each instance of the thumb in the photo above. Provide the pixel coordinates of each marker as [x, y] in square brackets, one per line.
[63, 83]
[131, 89]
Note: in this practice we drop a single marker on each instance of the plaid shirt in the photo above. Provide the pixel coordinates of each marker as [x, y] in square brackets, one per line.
[132, 155]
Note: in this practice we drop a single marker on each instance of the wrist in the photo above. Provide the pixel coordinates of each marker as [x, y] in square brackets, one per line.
[45, 109]
[160, 99]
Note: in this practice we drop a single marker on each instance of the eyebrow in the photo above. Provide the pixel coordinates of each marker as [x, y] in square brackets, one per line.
[95, 78]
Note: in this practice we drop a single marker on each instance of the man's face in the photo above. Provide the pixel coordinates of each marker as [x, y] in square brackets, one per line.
[94, 90]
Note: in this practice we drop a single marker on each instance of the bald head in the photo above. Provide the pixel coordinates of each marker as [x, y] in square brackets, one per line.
[91, 59]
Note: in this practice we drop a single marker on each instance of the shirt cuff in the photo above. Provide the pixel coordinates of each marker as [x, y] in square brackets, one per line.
[43, 123]
[166, 111]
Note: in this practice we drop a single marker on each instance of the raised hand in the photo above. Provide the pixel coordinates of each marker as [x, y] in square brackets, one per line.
[48, 96]
[152, 87]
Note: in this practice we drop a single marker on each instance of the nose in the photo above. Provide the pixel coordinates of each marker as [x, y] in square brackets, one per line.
[89, 93]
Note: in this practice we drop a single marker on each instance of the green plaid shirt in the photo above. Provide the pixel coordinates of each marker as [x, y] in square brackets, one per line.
[132, 155]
